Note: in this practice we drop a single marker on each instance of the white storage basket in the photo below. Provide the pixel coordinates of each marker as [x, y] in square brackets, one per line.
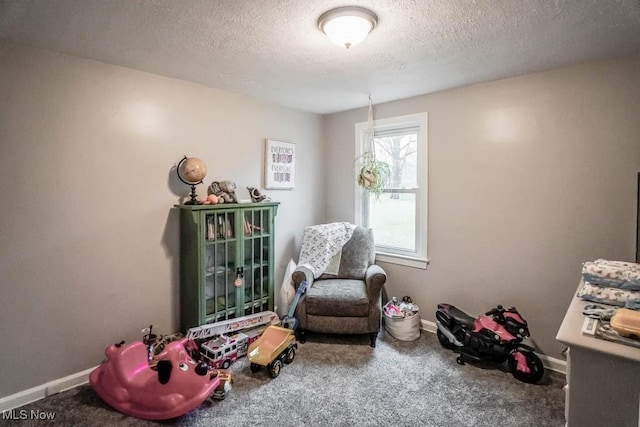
[403, 328]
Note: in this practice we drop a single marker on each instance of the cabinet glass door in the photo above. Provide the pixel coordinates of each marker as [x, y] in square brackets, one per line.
[220, 266]
[257, 255]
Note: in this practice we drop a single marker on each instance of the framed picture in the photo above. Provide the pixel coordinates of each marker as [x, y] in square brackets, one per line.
[279, 165]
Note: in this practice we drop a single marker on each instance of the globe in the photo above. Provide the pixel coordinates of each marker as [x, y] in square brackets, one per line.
[192, 170]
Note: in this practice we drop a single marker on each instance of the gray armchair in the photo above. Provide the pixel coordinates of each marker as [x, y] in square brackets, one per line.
[349, 302]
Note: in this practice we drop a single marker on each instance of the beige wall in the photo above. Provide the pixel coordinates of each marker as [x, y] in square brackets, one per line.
[528, 178]
[88, 236]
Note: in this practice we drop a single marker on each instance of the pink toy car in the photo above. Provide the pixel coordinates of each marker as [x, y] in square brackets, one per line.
[127, 382]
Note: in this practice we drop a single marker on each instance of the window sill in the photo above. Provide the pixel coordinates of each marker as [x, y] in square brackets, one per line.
[402, 260]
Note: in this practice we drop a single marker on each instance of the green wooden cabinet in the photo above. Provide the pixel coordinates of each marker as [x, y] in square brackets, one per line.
[226, 261]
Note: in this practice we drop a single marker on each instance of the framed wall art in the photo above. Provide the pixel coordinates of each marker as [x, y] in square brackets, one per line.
[279, 165]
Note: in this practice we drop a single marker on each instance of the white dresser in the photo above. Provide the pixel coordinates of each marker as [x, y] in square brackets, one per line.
[603, 376]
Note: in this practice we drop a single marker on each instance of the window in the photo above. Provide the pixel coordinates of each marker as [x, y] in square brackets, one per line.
[399, 215]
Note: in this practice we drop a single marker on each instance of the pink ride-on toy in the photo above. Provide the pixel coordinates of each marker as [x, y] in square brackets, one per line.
[127, 382]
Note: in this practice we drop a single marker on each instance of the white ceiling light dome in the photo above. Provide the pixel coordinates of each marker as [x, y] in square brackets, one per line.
[347, 26]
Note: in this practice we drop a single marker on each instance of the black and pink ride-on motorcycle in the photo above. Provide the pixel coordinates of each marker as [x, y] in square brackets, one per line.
[495, 337]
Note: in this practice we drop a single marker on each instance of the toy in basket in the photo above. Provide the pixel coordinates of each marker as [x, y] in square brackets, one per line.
[401, 319]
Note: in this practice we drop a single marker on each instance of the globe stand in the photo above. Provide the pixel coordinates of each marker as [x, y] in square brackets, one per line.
[193, 200]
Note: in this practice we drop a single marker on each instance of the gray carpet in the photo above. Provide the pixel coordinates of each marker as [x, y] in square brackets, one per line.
[341, 381]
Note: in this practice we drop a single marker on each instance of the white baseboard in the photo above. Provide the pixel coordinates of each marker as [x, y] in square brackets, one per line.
[40, 392]
[550, 363]
[425, 325]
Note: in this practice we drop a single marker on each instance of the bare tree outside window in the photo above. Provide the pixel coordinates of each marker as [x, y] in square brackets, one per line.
[393, 214]
[400, 152]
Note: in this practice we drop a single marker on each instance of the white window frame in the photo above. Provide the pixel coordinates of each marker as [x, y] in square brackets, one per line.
[417, 259]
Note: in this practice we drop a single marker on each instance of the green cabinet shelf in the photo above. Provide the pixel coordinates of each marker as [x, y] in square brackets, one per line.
[226, 261]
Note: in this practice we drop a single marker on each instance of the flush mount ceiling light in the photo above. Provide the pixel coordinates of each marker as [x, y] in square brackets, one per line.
[347, 26]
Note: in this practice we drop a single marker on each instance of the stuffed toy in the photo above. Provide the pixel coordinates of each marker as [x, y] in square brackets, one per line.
[224, 190]
[211, 199]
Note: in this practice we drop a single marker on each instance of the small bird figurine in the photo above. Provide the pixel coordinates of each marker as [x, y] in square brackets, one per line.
[256, 196]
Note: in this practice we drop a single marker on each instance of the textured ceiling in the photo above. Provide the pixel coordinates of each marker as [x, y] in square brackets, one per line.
[272, 49]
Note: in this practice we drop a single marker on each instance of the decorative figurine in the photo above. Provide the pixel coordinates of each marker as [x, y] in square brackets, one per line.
[256, 196]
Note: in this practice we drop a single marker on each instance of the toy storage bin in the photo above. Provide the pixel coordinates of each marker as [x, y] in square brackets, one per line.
[403, 328]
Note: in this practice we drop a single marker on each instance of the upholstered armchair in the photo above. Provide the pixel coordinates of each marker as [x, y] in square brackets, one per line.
[348, 302]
